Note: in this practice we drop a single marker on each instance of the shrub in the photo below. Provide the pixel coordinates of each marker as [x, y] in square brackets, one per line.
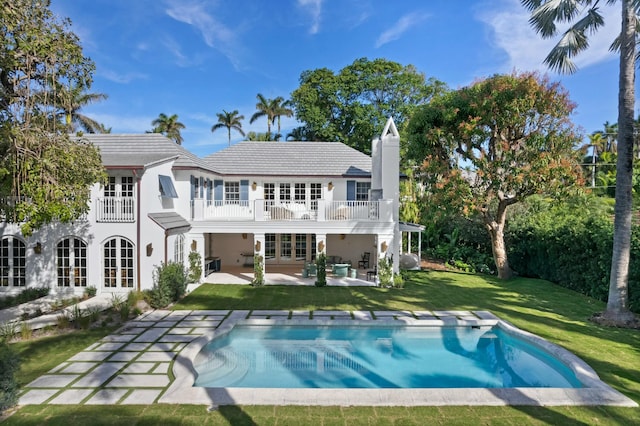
[9, 364]
[385, 272]
[27, 295]
[90, 291]
[258, 270]
[25, 331]
[170, 284]
[321, 266]
[195, 267]
[8, 330]
[462, 241]
[398, 281]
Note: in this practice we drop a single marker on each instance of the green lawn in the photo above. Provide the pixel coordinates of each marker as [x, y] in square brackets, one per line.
[554, 313]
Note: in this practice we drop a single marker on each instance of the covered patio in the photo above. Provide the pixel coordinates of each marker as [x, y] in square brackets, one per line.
[284, 275]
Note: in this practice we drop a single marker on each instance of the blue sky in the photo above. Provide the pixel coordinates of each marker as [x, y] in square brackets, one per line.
[195, 58]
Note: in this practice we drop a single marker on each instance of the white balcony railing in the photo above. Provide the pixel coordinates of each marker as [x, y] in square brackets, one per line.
[116, 209]
[317, 210]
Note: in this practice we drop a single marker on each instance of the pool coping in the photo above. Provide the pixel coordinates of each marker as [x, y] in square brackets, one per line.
[595, 392]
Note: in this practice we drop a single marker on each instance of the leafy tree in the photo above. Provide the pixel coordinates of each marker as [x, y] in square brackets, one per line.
[262, 137]
[230, 120]
[44, 175]
[297, 134]
[585, 19]
[354, 104]
[513, 134]
[168, 126]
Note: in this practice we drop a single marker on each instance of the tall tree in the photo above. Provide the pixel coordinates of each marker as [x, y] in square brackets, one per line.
[300, 133]
[230, 120]
[585, 19]
[168, 126]
[70, 101]
[44, 175]
[355, 103]
[282, 109]
[512, 132]
[265, 108]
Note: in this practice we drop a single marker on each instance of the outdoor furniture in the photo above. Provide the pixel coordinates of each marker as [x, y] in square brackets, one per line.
[332, 260]
[364, 262]
[281, 213]
[371, 274]
[248, 259]
[341, 269]
[212, 264]
[312, 269]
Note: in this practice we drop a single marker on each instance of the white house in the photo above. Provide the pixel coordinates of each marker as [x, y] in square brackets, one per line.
[285, 201]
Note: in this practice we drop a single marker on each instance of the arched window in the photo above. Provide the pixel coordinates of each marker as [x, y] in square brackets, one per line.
[13, 260]
[72, 262]
[178, 249]
[118, 263]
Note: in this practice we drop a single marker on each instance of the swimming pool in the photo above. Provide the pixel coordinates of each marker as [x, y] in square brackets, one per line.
[184, 386]
[284, 356]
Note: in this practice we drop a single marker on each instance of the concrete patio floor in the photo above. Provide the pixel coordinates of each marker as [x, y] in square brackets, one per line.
[284, 275]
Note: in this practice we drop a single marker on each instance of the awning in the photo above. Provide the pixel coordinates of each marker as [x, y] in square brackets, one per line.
[171, 222]
[166, 187]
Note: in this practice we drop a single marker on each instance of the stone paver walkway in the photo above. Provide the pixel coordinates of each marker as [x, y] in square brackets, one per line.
[134, 365]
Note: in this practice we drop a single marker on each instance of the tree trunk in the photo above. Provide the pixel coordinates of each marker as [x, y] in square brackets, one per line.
[618, 303]
[498, 248]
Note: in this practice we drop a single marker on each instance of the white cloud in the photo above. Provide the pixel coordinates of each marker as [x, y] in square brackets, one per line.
[214, 32]
[313, 8]
[526, 50]
[400, 27]
[121, 78]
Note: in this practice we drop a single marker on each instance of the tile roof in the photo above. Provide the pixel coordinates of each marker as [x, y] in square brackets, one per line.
[170, 221]
[290, 159]
[143, 149]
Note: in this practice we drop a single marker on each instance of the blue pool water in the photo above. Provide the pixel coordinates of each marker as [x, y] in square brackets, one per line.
[376, 357]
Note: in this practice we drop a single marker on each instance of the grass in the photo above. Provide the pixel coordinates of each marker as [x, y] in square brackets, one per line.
[552, 312]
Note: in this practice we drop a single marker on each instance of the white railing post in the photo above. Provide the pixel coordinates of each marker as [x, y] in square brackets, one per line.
[198, 209]
[258, 210]
[322, 209]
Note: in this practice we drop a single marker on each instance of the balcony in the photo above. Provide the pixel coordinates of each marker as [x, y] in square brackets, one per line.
[317, 210]
[115, 209]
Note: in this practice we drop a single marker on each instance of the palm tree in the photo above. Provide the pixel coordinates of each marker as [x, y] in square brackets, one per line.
[585, 19]
[168, 126]
[265, 108]
[230, 120]
[68, 101]
[297, 134]
[282, 108]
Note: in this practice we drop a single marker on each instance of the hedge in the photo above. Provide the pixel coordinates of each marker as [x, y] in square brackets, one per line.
[573, 251]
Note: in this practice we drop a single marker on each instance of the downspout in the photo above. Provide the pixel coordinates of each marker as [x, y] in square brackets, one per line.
[138, 229]
[166, 245]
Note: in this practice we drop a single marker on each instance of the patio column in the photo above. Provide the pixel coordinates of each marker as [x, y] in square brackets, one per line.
[321, 244]
[196, 243]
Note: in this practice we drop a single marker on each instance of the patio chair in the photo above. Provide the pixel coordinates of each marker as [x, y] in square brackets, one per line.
[364, 261]
[371, 274]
